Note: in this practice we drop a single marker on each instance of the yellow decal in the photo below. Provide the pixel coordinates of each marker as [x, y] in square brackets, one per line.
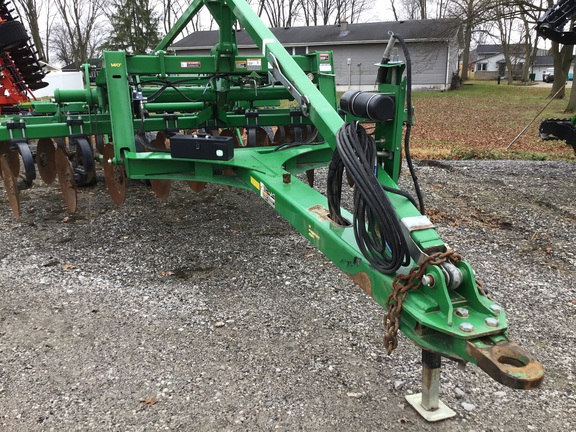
[115, 64]
[255, 183]
[312, 234]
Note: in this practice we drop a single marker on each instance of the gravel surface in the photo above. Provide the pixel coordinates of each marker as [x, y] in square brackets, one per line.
[208, 312]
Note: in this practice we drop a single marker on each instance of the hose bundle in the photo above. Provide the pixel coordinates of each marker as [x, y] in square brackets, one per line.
[376, 227]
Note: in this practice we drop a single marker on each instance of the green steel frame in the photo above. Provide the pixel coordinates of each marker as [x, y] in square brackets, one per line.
[226, 90]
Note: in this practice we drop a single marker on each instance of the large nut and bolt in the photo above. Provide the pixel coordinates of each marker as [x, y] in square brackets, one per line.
[495, 308]
[466, 327]
[461, 312]
[491, 322]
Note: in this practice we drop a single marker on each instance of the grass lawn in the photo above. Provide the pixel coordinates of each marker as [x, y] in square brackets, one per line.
[481, 119]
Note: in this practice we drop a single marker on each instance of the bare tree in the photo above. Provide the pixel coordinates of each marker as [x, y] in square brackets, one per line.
[324, 12]
[442, 8]
[529, 38]
[172, 10]
[317, 12]
[411, 9]
[80, 28]
[279, 13]
[472, 14]
[394, 11]
[32, 11]
[505, 16]
[563, 57]
[352, 10]
[423, 9]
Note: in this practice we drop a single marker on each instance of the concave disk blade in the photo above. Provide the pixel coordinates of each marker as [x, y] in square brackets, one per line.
[196, 186]
[231, 133]
[161, 188]
[12, 191]
[113, 175]
[66, 179]
[262, 138]
[13, 158]
[46, 159]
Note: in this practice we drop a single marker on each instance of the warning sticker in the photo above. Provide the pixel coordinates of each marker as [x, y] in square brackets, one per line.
[191, 64]
[324, 57]
[241, 64]
[324, 67]
[268, 196]
[254, 64]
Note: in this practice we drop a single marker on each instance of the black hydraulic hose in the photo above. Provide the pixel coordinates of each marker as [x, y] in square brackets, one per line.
[376, 227]
[410, 112]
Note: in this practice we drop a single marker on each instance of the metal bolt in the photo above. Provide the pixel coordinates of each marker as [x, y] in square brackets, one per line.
[491, 322]
[461, 312]
[495, 308]
[110, 161]
[466, 327]
[428, 280]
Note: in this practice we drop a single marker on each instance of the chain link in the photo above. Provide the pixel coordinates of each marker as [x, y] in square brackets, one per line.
[401, 285]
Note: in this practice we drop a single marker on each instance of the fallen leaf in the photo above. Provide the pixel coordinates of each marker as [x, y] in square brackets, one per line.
[310, 255]
[68, 266]
[404, 420]
[149, 401]
[548, 250]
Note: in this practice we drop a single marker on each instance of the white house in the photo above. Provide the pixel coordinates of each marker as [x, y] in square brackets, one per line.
[488, 62]
[434, 48]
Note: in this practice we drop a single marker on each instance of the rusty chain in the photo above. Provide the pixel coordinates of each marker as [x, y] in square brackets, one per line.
[402, 284]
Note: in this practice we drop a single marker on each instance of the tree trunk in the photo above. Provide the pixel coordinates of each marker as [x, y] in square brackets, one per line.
[530, 57]
[562, 60]
[571, 108]
[466, 52]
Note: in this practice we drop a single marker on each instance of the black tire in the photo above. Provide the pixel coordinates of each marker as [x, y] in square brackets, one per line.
[12, 34]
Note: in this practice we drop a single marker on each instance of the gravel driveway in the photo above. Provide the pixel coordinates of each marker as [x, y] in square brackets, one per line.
[208, 312]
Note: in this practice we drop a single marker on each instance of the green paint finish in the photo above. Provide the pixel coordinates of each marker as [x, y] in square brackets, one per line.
[119, 102]
[183, 93]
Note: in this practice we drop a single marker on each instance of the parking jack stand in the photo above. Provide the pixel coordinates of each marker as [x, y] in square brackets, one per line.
[427, 403]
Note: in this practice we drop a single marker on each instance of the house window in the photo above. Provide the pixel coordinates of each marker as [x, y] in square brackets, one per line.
[299, 50]
[481, 66]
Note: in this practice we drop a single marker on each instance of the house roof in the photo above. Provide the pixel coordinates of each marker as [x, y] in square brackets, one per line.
[486, 51]
[543, 61]
[433, 29]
